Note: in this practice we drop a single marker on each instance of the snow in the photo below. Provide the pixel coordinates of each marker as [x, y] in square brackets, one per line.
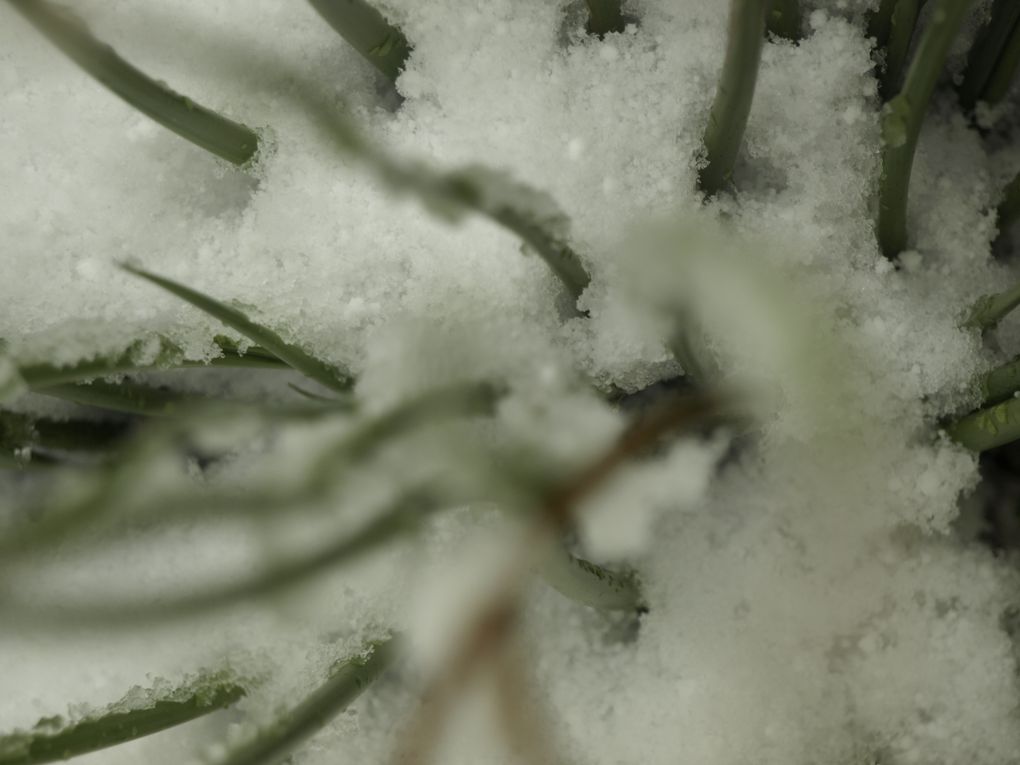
[813, 596]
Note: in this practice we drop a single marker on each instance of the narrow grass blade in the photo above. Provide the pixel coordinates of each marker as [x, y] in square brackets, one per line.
[989, 310]
[347, 681]
[533, 216]
[732, 106]
[880, 23]
[368, 32]
[605, 16]
[986, 50]
[989, 427]
[901, 122]
[223, 137]
[1002, 76]
[784, 19]
[541, 237]
[53, 739]
[303, 362]
[125, 397]
[591, 584]
[39, 376]
[904, 21]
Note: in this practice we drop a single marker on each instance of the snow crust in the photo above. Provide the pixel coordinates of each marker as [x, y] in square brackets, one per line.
[810, 596]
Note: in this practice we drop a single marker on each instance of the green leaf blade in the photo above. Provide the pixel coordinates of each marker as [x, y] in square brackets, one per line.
[290, 354]
[203, 127]
[50, 742]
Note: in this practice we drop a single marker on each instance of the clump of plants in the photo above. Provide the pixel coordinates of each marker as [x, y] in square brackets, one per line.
[672, 456]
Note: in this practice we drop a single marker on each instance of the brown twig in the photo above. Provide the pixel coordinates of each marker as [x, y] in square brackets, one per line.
[488, 633]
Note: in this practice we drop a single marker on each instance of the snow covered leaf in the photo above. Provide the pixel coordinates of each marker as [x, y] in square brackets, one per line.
[141, 713]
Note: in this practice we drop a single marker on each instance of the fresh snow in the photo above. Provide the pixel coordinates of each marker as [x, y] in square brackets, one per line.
[813, 595]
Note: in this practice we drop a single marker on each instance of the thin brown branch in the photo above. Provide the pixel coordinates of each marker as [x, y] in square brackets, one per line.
[488, 633]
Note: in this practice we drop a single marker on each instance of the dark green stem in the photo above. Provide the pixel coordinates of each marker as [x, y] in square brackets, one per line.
[368, 32]
[987, 49]
[50, 740]
[1001, 78]
[347, 681]
[1009, 208]
[605, 16]
[880, 23]
[214, 133]
[18, 431]
[901, 32]
[784, 19]
[901, 122]
[732, 105]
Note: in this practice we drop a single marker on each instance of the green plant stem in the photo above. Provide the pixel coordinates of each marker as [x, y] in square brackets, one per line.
[784, 19]
[1002, 76]
[347, 681]
[605, 16]
[112, 727]
[525, 212]
[901, 122]
[880, 23]
[988, 428]
[591, 584]
[1000, 383]
[558, 255]
[987, 49]
[368, 32]
[316, 369]
[21, 430]
[1009, 209]
[732, 105]
[125, 397]
[223, 137]
[901, 32]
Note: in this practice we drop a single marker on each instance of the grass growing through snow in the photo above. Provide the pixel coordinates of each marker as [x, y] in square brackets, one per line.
[132, 445]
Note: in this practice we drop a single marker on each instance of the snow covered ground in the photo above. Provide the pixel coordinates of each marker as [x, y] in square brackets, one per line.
[812, 597]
